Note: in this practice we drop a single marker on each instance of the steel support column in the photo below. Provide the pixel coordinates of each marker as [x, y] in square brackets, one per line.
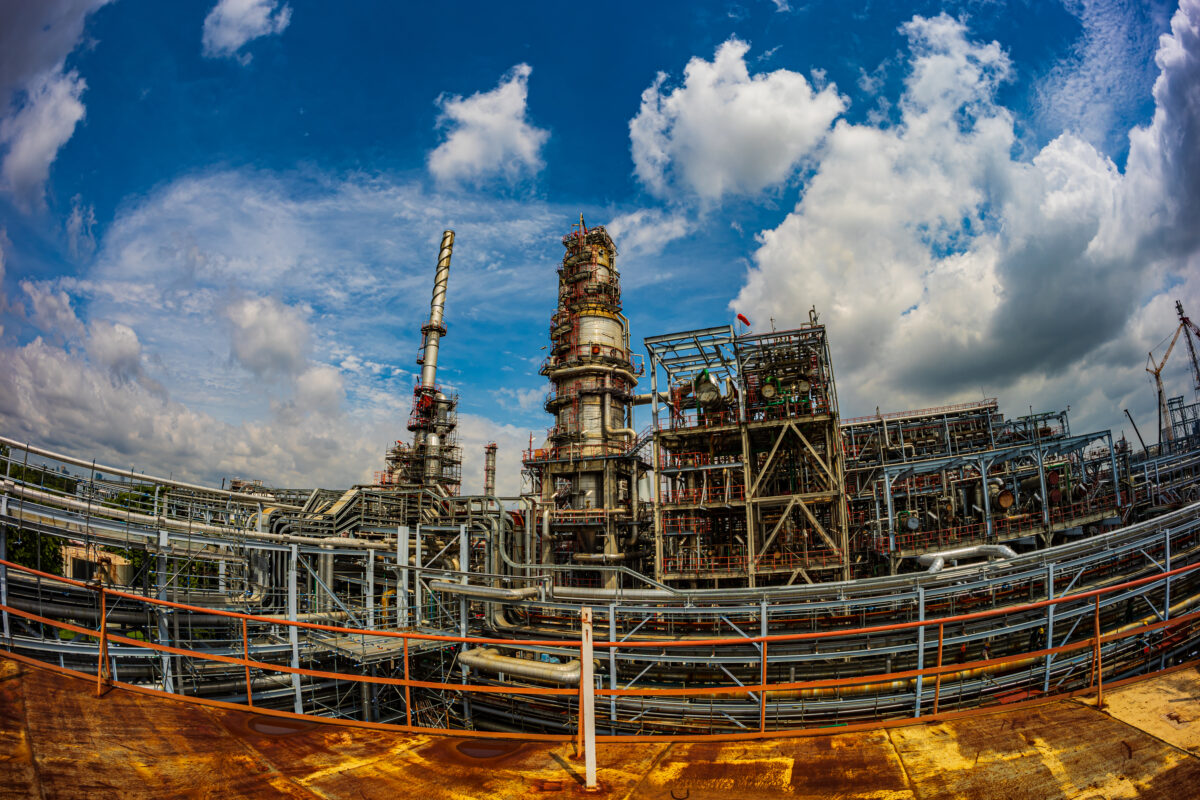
[587, 711]
[1049, 626]
[987, 503]
[1116, 477]
[1162, 662]
[658, 540]
[612, 661]
[370, 589]
[3, 569]
[1041, 462]
[417, 581]
[920, 649]
[164, 632]
[402, 612]
[293, 631]
[464, 621]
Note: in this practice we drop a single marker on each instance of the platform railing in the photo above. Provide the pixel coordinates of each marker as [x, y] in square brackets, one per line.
[1089, 650]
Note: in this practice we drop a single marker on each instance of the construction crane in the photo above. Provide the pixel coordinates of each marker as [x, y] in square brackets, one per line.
[1155, 368]
[1190, 330]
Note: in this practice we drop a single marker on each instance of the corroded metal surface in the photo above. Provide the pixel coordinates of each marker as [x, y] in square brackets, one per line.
[58, 740]
[1167, 707]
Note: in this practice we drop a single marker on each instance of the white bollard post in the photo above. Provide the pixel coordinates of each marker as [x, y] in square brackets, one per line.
[587, 686]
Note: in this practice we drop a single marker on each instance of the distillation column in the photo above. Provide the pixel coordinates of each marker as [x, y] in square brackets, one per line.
[588, 476]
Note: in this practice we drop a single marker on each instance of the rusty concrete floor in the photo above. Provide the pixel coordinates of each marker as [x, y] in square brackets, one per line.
[57, 740]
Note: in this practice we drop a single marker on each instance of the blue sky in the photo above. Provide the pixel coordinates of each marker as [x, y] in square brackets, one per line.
[218, 220]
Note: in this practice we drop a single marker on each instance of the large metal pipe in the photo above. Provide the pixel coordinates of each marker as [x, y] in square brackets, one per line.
[485, 592]
[645, 399]
[598, 558]
[183, 525]
[936, 561]
[628, 433]
[567, 372]
[434, 329]
[490, 660]
[838, 588]
[142, 477]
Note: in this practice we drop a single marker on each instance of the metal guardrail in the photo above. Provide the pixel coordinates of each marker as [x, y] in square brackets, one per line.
[1180, 629]
[986, 404]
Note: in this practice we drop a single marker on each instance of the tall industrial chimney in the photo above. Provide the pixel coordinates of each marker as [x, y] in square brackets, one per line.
[489, 469]
[433, 459]
[434, 330]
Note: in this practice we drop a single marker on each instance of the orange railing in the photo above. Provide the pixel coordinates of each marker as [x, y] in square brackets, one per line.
[704, 565]
[592, 449]
[1175, 631]
[693, 458]
[790, 559]
[701, 495]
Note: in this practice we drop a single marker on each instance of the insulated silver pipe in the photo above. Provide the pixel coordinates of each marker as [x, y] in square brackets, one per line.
[485, 592]
[628, 433]
[239, 535]
[434, 329]
[597, 558]
[644, 399]
[936, 561]
[142, 477]
[490, 660]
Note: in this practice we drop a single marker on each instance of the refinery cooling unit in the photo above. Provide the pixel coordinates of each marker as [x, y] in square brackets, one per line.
[750, 561]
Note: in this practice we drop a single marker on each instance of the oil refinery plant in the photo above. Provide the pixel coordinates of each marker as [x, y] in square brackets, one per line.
[748, 563]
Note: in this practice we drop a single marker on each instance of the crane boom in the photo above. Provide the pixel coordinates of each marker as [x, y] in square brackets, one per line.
[1156, 369]
[1190, 330]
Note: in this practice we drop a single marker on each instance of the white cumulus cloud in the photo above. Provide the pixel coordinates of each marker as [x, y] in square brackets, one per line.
[116, 347]
[1105, 75]
[320, 388]
[53, 313]
[488, 134]
[33, 135]
[725, 131]
[232, 23]
[946, 265]
[269, 338]
[40, 102]
[648, 230]
[48, 389]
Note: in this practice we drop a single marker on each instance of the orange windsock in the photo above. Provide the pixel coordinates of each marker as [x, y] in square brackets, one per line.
[742, 319]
